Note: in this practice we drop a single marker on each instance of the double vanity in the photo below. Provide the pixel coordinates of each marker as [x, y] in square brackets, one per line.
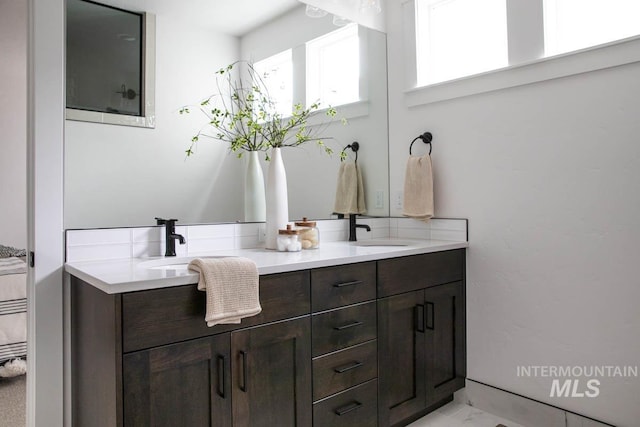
[349, 335]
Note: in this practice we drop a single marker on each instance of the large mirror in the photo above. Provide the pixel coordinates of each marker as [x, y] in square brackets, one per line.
[117, 176]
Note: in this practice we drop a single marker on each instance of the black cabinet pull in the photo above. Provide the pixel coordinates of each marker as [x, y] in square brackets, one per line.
[348, 408]
[221, 378]
[243, 384]
[430, 315]
[347, 326]
[344, 368]
[419, 317]
[345, 284]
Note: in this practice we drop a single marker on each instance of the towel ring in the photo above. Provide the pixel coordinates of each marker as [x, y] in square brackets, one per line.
[426, 138]
[355, 146]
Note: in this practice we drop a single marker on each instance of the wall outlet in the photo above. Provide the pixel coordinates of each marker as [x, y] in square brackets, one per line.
[398, 199]
[379, 199]
[261, 233]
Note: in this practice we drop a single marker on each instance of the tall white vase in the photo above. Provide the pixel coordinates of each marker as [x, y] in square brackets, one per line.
[277, 200]
[254, 197]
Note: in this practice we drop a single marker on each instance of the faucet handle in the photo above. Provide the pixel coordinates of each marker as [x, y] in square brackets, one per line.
[162, 221]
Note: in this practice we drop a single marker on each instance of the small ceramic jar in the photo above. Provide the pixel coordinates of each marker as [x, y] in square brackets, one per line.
[309, 234]
[288, 240]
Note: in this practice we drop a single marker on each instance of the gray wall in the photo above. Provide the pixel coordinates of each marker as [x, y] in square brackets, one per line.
[13, 123]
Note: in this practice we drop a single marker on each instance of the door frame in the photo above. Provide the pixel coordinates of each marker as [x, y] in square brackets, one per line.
[45, 230]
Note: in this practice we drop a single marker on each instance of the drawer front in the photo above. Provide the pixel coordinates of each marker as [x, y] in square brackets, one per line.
[344, 327]
[333, 287]
[344, 369]
[356, 407]
[398, 275]
[163, 316]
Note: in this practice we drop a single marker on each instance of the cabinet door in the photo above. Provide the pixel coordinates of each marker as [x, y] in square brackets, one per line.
[184, 384]
[401, 355]
[271, 375]
[445, 340]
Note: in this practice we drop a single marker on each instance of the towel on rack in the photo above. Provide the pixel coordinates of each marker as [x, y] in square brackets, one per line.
[350, 190]
[231, 285]
[418, 188]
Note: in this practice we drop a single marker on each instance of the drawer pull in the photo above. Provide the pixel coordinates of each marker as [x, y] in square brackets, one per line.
[344, 368]
[347, 326]
[243, 385]
[348, 408]
[430, 315]
[221, 378]
[345, 284]
[419, 317]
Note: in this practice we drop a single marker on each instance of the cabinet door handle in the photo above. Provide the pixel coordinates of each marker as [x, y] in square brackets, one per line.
[419, 317]
[344, 368]
[347, 326]
[221, 375]
[243, 384]
[345, 284]
[430, 315]
[348, 408]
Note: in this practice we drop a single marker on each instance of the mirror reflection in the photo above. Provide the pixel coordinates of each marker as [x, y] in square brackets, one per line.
[123, 176]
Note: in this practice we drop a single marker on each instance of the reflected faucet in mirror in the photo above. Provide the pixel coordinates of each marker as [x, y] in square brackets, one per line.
[170, 235]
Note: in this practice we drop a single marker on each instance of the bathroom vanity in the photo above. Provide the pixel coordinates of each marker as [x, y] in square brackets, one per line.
[347, 336]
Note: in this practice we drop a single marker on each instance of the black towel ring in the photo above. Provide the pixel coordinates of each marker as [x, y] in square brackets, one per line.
[355, 146]
[426, 138]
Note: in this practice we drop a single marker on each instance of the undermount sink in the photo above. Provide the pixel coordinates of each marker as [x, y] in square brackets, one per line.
[383, 242]
[179, 263]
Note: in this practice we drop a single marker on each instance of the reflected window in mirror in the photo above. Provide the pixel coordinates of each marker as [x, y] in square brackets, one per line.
[333, 67]
[277, 74]
[110, 64]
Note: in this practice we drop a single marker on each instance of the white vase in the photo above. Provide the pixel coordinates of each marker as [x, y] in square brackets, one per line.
[254, 197]
[277, 201]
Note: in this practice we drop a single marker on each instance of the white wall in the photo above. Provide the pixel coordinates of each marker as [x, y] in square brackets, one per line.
[117, 175]
[548, 176]
[13, 123]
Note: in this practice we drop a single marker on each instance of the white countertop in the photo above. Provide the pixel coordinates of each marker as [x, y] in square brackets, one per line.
[136, 274]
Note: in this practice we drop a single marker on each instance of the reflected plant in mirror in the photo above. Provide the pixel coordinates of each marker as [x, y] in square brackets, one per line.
[245, 115]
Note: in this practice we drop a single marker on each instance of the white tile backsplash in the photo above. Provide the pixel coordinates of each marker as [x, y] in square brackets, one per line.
[119, 243]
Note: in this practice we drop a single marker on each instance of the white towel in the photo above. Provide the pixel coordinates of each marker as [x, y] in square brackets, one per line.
[350, 190]
[232, 288]
[418, 188]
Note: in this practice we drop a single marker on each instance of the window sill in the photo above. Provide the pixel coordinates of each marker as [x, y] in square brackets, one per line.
[600, 57]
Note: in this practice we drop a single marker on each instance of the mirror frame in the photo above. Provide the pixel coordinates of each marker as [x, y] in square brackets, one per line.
[148, 117]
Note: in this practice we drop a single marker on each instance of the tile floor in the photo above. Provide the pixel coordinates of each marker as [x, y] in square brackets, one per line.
[456, 414]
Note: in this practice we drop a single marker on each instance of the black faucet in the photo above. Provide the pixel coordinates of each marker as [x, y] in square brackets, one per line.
[170, 235]
[353, 226]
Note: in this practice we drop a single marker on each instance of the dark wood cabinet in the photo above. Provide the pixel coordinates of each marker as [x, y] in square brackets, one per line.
[179, 384]
[401, 348]
[422, 341]
[271, 375]
[367, 344]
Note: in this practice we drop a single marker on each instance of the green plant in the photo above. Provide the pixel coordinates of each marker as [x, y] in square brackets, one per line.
[243, 114]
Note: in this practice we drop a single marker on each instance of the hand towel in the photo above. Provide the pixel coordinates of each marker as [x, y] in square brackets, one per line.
[350, 190]
[418, 188]
[231, 285]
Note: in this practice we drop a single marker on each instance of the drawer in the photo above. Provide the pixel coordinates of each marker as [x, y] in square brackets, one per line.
[343, 327]
[162, 316]
[343, 369]
[356, 407]
[333, 287]
[398, 275]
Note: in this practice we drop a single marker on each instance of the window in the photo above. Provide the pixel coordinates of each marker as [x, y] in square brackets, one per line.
[576, 24]
[277, 75]
[456, 38]
[333, 67]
